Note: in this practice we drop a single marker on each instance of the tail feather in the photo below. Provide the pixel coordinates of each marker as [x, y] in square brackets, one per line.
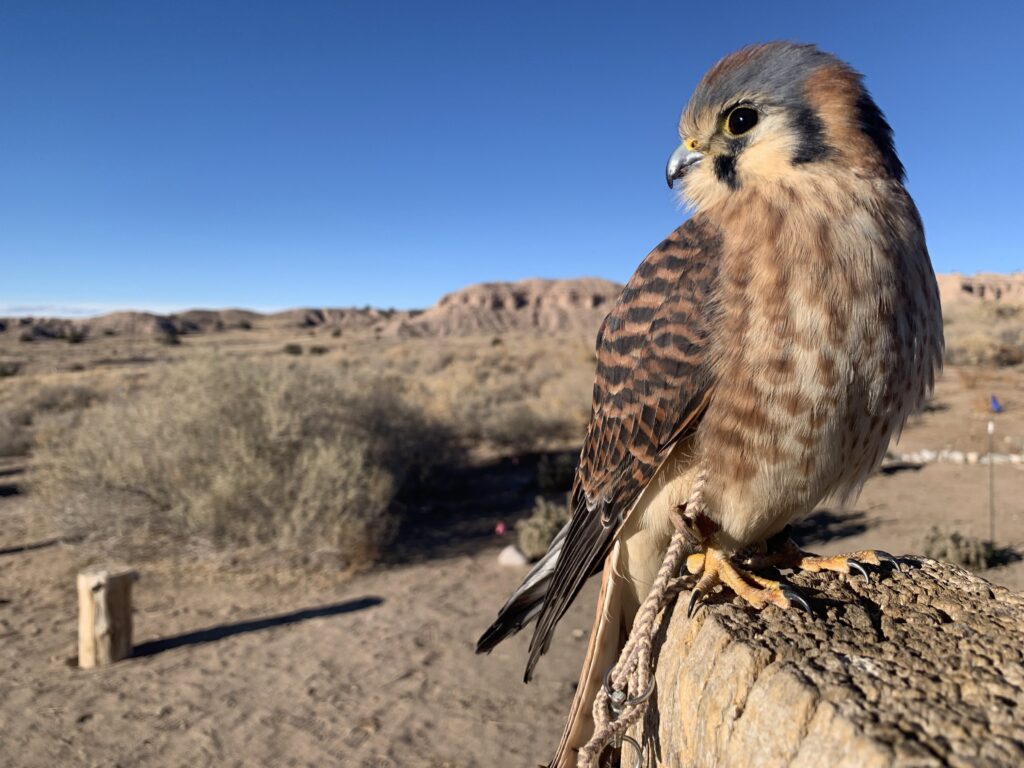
[614, 607]
[525, 603]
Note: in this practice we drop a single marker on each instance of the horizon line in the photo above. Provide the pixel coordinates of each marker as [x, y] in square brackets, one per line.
[71, 310]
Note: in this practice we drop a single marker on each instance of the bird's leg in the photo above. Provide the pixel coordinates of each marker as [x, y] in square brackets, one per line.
[789, 555]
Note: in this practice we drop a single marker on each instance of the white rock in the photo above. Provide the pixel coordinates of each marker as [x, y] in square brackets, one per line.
[971, 457]
[928, 456]
[511, 557]
[911, 458]
[1000, 458]
[1016, 458]
[956, 457]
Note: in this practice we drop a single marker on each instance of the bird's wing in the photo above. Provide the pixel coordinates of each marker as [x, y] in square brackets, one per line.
[651, 387]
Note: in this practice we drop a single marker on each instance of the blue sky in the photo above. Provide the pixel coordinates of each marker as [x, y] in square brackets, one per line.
[271, 154]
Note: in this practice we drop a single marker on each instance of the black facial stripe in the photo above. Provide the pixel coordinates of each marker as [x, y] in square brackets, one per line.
[735, 146]
[876, 128]
[725, 170]
[811, 133]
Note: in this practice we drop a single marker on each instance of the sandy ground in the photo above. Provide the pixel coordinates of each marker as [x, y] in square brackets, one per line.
[250, 659]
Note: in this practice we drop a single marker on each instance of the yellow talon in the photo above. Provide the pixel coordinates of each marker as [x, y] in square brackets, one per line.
[715, 567]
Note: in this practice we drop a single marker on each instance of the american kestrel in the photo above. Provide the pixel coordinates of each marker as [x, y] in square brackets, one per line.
[758, 361]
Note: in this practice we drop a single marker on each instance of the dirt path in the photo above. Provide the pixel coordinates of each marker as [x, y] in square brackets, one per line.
[275, 669]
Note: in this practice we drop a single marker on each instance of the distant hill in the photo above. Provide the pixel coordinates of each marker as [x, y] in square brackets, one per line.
[548, 306]
[960, 289]
[161, 327]
[529, 305]
[535, 305]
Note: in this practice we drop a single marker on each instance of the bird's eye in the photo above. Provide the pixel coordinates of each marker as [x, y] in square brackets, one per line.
[740, 120]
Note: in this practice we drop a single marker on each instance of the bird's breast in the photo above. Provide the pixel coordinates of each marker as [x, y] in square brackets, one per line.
[812, 354]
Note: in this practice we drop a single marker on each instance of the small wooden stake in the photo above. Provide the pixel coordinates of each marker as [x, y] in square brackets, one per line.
[104, 616]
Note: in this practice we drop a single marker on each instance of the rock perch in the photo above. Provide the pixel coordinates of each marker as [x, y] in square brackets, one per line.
[919, 668]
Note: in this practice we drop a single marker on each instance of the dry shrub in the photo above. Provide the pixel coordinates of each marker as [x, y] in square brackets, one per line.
[15, 432]
[984, 333]
[21, 408]
[9, 368]
[534, 534]
[555, 472]
[519, 396]
[968, 551]
[244, 452]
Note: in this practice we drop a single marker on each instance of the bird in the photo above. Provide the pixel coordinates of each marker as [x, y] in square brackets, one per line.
[758, 362]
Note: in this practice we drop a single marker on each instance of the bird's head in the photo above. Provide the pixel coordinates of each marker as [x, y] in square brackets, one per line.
[771, 113]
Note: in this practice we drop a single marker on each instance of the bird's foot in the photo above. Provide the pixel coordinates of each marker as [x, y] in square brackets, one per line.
[715, 567]
[789, 555]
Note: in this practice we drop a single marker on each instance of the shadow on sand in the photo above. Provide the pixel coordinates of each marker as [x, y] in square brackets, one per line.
[458, 512]
[213, 634]
[824, 525]
[19, 548]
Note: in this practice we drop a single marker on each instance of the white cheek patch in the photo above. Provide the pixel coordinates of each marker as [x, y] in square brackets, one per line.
[701, 188]
[769, 154]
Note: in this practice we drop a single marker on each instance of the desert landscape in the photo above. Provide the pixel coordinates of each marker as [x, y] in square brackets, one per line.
[315, 501]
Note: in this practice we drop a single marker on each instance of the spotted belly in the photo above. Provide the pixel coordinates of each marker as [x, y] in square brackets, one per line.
[793, 423]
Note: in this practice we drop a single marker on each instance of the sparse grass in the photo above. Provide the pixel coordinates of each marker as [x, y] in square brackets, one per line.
[292, 349]
[242, 452]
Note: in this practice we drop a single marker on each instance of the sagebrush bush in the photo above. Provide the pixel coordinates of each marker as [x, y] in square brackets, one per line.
[555, 472]
[245, 452]
[968, 551]
[515, 397]
[534, 534]
[985, 333]
[21, 409]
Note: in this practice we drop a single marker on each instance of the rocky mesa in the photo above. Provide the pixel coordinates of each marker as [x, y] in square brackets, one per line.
[533, 305]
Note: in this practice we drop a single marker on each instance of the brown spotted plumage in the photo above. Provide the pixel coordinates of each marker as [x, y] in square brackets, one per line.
[772, 346]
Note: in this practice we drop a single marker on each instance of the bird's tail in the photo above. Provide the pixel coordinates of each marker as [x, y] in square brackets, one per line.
[525, 603]
[607, 637]
[616, 606]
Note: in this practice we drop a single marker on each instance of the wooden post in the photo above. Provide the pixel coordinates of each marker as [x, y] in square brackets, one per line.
[104, 616]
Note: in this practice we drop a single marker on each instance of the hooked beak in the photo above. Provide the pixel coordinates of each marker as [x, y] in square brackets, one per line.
[680, 162]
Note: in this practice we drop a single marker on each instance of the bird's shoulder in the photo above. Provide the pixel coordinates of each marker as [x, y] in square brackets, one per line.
[652, 375]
